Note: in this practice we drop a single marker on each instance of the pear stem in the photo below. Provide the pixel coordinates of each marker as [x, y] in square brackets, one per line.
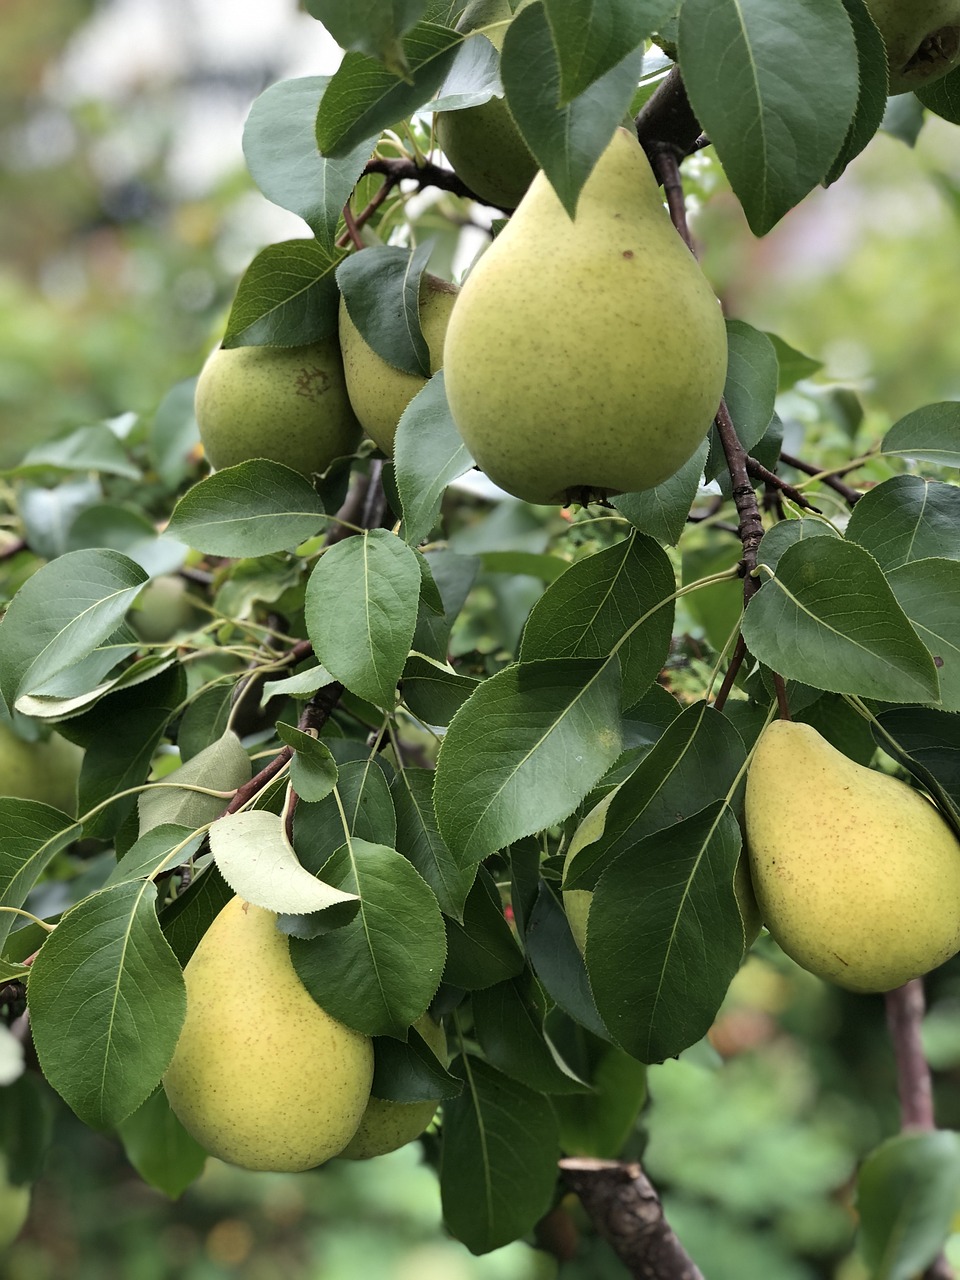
[624, 1206]
[905, 1010]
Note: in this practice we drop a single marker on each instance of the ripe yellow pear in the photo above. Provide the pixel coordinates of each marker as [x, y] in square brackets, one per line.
[46, 770]
[483, 143]
[288, 404]
[262, 1076]
[388, 1125]
[378, 392]
[857, 875]
[586, 358]
[922, 39]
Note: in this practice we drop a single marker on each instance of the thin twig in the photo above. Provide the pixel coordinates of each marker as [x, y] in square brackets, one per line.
[625, 1208]
[846, 491]
[366, 213]
[736, 662]
[745, 500]
[760, 472]
[353, 231]
[665, 159]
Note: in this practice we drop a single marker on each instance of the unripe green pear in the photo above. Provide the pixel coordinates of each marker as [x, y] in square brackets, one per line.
[46, 770]
[388, 1125]
[378, 391]
[483, 143]
[922, 39]
[856, 873]
[586, 358]
[163, 608]
[287, 404]
[262, 1076]
[14, 1207]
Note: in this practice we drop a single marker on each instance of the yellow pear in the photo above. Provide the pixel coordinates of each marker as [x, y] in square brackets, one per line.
[46, 770]
[586, 358]
[262, 1076]
[856, 873]
[483, 143]
[288, 404]
[922, 39]
[378, 392]
[388, 1125]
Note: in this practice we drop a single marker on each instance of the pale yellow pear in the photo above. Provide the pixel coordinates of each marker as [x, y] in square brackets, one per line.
[46, 770]
[378, 391]
[922, 39]
[287, 404]
[483, 143]
[857, 875]
[586, 358]
[388, 1125]
[262, 1076]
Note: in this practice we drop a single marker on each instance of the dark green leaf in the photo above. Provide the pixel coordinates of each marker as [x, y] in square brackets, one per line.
[905, 519]
[419, 840]
[160, 1149]
[373, 27]
[364, 793]
[508, 1022]
[410, 1072]
[592, 36]
[928, 592]
[286, 298]
[31, 836]
[381, 291]
[558, 963]
[429, 454]
[662, 511]
[753, 375]
[481, 950]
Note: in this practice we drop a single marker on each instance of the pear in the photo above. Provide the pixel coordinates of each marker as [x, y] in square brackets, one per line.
[46, 770]
[262, 1076]
[386, 1125]
[856, 873]
[922, 39]
[378, 392]
[586, 358]
[288, 404]
[483, 143]
[14, 1206]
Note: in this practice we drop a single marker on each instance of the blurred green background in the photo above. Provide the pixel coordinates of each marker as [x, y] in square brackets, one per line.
[125, 220]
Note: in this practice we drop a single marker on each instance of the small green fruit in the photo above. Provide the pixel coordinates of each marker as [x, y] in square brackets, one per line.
[378, 392]
[922, 39]
[287, 404]
[483, 143]
[567, 375]
[388, 1125]
[856, 873]
[14, 1208]
[262, 1076]
[163, 609]
[46, 770]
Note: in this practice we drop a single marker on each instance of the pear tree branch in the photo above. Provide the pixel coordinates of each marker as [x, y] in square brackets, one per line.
[846, 491]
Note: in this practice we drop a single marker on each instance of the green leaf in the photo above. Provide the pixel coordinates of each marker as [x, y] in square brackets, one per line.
[378, 973]
[152, 854]
[905, 519]
[508, 1022]
[872, 99]
[287, 297]
[787, 532]
[662, 511]
[223, 766]
[558, 963]
[908, 1193]
[481, 948]
[928, 592]
[615, 601]
[249, 510]
[473, 79]
[794, 366]
[313, 770]
[524, 750]
[361, 611]
[159, 1148]
[498, 1159]
[830, 620]
[598, 1123]
[926, 741]
[107, 524]
[566, 141]
[107, 1001]
[429, 454]
[258, 862]
[432, 690]
[26, 1127]
[410, 1072]
[381, 291]
[419, 840]
[665, 935]
[775, 139]
[753, 375]
[694, 763]
[61, 614]
[373, 27]
[318, 829]
[364, 97]
[593, 36]
[280, 148]
[185, 920]
[87, 449]
[31, 836]
[930, 434]
[943, 97]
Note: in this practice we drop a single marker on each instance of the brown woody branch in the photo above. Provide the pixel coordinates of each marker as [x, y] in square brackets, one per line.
[773, 481]
[626, 1210]
[667, 119]
[846, 491]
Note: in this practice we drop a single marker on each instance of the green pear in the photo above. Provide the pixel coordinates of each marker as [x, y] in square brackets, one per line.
[922, 39]
[288, 404]
[46, 770]
[378, 391]
[163, 608]
[586, 358]
[577, 902]
[856, 873]
[262, 1076]
[14, 1207]
[483, 143]
[386, 1125]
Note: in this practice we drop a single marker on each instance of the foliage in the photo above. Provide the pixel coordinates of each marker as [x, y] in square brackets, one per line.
[386, 700]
